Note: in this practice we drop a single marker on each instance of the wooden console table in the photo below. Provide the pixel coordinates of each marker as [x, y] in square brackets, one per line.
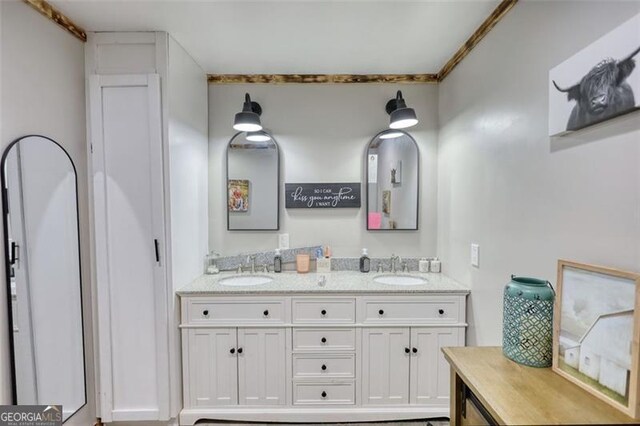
[488, 388]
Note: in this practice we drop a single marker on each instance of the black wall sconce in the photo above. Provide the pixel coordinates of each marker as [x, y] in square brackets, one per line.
[400, 116]
[248, 120]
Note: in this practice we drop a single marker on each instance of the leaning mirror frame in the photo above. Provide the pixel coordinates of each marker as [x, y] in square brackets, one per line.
[391, 135]
[10, 260]
[243, 187]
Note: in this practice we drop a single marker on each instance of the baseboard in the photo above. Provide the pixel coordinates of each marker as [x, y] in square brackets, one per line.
[189, 417]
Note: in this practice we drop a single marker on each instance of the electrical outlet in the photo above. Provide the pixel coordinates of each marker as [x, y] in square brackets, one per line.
[475, 255]
[283, 241]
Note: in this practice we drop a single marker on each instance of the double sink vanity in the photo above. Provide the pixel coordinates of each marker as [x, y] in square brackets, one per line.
[343, 346]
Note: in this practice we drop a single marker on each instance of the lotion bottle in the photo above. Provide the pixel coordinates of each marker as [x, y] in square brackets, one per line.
[365, 262]
[277, 262]
[436, 265]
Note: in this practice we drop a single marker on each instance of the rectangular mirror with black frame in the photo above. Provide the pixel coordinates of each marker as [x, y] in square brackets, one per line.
[42, 258]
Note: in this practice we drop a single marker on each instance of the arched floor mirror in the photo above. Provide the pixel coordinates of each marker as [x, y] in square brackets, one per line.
[42, 258]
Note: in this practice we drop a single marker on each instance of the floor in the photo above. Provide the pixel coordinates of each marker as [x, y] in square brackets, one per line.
[406, 423]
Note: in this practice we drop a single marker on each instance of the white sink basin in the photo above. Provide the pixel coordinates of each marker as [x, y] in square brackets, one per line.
[399, 280]
[245, 280]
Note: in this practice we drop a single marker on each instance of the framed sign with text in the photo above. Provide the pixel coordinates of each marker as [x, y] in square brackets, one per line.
[322, 195]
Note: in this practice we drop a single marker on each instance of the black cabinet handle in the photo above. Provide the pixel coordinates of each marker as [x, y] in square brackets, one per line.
[407, 350]
[156, 246]
[324, 394]
[239, 350]
[205, 312]
[381, 312]
[324, 367]
[441, 311]
[266, 313]
[323, 340]
[323, 312]
[14, 253]
[414, 350]
[232, 350]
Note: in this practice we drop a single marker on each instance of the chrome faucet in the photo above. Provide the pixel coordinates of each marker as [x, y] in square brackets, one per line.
[252, 259]
[393, 260]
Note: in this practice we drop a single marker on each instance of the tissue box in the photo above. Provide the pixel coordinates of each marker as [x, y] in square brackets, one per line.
[323, 265]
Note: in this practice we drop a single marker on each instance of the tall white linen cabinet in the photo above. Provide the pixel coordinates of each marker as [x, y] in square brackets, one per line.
[148, 135]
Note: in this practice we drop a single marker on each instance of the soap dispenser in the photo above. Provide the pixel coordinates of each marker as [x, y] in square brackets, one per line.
[210, 263]
[365, 262]
[277, 262]
[436, 266]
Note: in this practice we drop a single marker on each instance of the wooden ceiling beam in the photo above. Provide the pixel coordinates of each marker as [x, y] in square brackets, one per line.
[320, 78]
[58, 17]
[495, 17]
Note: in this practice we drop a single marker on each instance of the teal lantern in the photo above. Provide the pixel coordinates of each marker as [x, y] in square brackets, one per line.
[527, 333]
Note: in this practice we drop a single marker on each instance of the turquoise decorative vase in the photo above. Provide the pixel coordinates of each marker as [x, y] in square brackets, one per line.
[527, 332]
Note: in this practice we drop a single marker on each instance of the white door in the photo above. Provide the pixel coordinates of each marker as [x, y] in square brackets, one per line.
[261, 366]
[385, 366]
[429, 370]
[126, 138]
[213, 367]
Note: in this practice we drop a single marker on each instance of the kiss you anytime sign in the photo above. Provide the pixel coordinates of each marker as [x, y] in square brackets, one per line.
[322, 195]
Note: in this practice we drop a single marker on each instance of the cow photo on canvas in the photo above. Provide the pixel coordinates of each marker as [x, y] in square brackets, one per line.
[598, 83]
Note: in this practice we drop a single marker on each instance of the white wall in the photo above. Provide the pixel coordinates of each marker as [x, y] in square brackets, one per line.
[323, 131]
[42, 91]
[529, 200]
[188, 147]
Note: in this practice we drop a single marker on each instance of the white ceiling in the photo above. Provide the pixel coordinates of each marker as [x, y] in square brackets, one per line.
[297, 36]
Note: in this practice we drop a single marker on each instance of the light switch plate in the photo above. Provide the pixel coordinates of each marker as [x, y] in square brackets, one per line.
[283, 241]
[475, 255]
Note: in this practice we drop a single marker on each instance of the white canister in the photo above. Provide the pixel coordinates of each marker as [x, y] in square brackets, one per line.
[424, 265]
[436, 265]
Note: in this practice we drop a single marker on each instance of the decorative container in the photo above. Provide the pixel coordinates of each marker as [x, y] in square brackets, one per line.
[527, 335]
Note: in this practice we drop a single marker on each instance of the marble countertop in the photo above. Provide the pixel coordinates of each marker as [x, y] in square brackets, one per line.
[336, 282]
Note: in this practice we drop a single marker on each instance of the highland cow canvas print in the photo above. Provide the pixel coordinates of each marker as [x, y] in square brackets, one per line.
[598, 83]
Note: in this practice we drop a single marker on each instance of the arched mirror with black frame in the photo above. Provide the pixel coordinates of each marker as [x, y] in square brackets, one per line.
[253, 182]
[393, 182]
[42, 258]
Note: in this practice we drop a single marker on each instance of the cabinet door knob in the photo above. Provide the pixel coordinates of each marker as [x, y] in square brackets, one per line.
[407, 350]
[239, 350]
[324, 367]
[323, 312]
[381, 312]
[414, 350]
[205, 312]
[266, 313]
[441, 311]
[232, 350]
[323, 340]
[324, 394]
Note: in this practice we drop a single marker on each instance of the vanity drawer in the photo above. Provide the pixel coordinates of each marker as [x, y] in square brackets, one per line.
[208, 311]
[324, 339]
[324, 311]
[330, 393]
[440, 309]
[318, 366]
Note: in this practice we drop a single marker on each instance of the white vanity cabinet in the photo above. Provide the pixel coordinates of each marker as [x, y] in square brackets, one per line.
[406, 365]
[235, 366]
[318, 357]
